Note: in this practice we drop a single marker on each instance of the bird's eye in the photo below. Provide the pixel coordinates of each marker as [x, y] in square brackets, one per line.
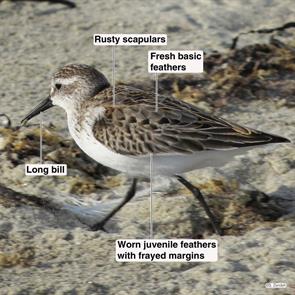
[58, 86]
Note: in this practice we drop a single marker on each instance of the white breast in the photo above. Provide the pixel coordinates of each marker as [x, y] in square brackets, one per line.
[93, 148]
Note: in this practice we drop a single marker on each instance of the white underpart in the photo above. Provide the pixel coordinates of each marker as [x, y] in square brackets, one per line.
[164, 164]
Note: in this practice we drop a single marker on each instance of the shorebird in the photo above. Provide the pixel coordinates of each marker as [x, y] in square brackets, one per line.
[179, 136]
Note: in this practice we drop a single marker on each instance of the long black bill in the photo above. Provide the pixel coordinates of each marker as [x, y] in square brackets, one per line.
[41, 107]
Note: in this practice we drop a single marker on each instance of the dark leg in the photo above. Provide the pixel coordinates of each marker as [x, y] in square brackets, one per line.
[196, 192]
[130, 194]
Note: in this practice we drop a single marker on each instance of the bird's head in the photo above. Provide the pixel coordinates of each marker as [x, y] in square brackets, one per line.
[71, 85]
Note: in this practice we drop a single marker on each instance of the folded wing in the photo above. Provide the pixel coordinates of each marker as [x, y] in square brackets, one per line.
[133, 127]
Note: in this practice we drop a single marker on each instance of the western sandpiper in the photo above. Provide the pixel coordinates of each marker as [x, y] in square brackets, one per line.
[179, 136]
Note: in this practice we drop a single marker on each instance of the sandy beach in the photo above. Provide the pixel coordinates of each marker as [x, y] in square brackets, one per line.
[48, 249]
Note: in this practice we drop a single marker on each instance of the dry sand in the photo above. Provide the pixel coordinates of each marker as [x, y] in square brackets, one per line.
[46, 253]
